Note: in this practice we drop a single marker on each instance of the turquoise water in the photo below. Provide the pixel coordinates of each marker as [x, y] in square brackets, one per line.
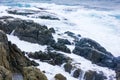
[108, 4]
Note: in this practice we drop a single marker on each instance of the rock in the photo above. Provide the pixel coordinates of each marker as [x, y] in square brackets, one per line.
[23, 12]
[32, 73]
[118, 75]
[93, 75]
[68, 67]
[4, 50]
[60, 77]
[77, 73]
[60, 47]
[52, 30]
[94, 52]
[5, 74]
[63, 41]
[71, 34]
[89, 43]
[27, 30]
[17, 59]
[53, 58]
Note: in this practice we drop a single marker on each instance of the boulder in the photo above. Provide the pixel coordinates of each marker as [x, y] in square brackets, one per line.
[89, 43]
[77, 73]
[60, 77]
[5, 74]
[61, 47]
[94, 52]
[68, 67]
[32, 73]
[93, 75]
[118, 75]
[64, 41]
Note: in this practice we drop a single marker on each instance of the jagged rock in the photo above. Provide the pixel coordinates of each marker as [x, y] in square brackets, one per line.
[17, 59]
[4, 50]
[89, 43]
[71, 34]
[77, 73]
[27, 30]
[60, 47]
[32, 73]
[11, 57]
[53, 58]
[118, 75]
[93, 75]
[52, 30]
[63, 41]
[68, 67]
[5, 74]
[60, 77]
[23, 12]
[94, 52]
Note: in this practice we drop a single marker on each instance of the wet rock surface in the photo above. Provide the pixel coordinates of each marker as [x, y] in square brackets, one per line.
[27, 30]
[53, 58]
[94, 52]
[93, 75]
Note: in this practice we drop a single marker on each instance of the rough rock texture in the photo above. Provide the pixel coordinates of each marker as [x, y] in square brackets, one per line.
[94, 52]
[32, 73]
[77, 73]
[12, 60]
[27, 30]
[68, 67]
[93, 75]
[4, 50]
[60, 77]
[5, 74]
[118, 75]
[53, 58]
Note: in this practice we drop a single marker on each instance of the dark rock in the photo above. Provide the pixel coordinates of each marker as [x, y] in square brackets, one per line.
[28, 30]
[60, 77]
[68, 67]
[52, 30]
[60, 47]
[94, 52]
[50, 57]
[63, 41]
[93, 75]
[23, 12]
[77, 73]
[71, 34]
[86, 42]
[118, 75]
[95, 56]
[49, 17]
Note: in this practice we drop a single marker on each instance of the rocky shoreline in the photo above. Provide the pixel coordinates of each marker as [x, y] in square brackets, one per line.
[13, 60]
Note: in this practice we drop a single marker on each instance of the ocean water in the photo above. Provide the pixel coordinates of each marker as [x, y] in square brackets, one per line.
[95, 19]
